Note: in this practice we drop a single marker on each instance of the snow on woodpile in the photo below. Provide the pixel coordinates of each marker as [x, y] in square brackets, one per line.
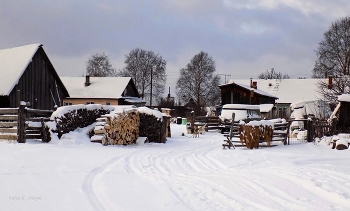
[61, 111]
[152, 112]
[342, 143]
[261, 122]
[69, 118]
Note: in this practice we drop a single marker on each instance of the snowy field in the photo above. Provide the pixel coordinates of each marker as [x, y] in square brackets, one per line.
[183, 174]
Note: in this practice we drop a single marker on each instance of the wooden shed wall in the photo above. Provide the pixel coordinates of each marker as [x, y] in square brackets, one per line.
[238, 95]
[39, 84]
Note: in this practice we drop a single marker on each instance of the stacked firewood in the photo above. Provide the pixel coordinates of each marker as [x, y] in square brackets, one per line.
[151, 127]
[77, 118]
[251, 135]
[123, 129]
[120, 129]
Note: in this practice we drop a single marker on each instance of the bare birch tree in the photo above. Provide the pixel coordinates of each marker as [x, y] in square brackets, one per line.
[148, 72]
[99, 65]
[333, 59]
[199, 81]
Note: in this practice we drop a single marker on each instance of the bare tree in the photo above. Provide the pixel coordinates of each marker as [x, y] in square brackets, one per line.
[99, 65]
[339, 86]
[148, 72]
[198, 81]
[333, 59]
[273, 75]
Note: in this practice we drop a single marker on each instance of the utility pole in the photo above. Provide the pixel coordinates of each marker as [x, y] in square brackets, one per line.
[225, 76]
[150, 102]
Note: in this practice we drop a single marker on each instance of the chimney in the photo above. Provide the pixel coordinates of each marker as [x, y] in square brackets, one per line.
[255, 84]
[329, 82]
[87, 80]
[251, 85]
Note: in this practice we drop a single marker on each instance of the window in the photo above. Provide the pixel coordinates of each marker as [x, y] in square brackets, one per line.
[282, 112]
[108, 103]
[66, 104]
[87, 103]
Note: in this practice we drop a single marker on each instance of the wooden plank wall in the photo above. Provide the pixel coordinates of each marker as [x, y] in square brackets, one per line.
[37, 83]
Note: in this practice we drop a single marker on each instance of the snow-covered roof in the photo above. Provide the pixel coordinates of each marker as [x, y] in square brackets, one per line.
[265, 107]
[344, 98]
[100, 87]
[287, 90]
[13, 62]
[133, 99]
[241, 106]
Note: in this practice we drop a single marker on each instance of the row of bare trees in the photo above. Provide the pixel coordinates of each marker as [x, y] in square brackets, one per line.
[197, 80]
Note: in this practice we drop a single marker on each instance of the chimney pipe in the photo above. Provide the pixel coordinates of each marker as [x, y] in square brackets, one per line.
[329, 82]
[251, 85]
[255, 84]
[87, 80]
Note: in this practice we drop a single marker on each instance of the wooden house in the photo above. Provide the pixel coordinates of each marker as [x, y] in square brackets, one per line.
[26, 74]
[102, 90]
[237, 93]
[291, 91]
[340, 117]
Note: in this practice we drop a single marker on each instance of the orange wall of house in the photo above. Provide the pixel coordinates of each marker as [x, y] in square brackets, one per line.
[85, 100]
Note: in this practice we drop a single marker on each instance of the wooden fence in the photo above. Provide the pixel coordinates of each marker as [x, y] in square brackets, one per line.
[19, 124]
[210, 122]
[280, 132]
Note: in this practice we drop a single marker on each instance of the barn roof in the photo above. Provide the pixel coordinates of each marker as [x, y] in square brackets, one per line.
[288, 90]
[100, 87]
[13, 62]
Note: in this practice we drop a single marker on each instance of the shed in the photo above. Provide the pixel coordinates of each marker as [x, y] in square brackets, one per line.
[26, 74]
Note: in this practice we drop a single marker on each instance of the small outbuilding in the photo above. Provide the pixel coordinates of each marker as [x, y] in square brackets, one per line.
[26, 74]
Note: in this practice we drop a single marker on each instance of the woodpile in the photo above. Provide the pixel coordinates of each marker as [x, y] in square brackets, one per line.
[122, 129]
[125, 127]
[151, 127]
[77, 118]
[252, 135]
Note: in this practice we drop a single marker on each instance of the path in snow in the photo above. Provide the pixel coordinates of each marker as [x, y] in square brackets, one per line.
[196, 174]
[183, 174]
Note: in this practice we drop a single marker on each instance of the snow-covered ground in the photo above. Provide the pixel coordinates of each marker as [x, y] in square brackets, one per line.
[183, 174]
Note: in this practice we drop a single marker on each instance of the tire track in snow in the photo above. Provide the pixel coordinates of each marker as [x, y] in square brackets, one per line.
[313, 188]
[93, 188]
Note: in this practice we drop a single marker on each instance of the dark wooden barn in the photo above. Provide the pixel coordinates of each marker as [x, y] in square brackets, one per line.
[235, 93]
[26, 74]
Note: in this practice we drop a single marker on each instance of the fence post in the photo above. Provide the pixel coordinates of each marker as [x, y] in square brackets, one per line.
[163, 131]
[309, 130]
[168, 126]
[21, 124]
[192, 122]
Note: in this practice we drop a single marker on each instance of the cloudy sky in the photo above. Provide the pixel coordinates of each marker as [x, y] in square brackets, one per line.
[244, 37]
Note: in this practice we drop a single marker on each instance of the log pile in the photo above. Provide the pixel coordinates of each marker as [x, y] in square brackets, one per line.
[251, 135]
[122, 129]
[150, 127]
[77, 118]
